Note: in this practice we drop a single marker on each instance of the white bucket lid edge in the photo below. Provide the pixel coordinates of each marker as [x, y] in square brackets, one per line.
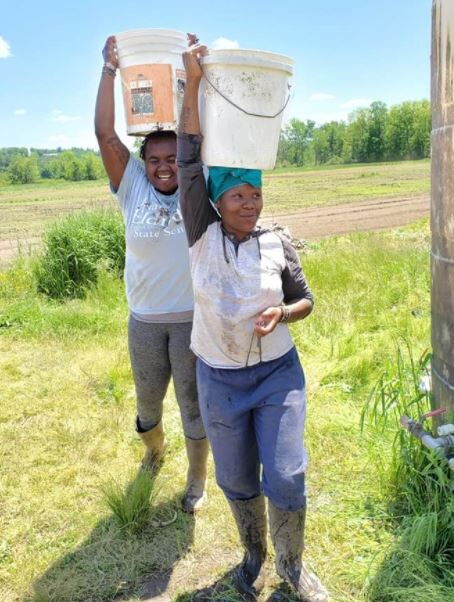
[228, 59]
[132, 33]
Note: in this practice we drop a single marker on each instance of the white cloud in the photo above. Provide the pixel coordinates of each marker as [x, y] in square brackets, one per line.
[20, 112]
[322, 96]
[60, 140]
[82, 139]
[224, 43]
[356, 102]
[60, 117]
[5, 50]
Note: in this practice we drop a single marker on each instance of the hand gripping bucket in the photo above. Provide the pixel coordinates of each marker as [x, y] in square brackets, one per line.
[152, 78]
[243, 95]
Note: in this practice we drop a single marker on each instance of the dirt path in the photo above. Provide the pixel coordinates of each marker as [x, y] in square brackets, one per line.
[307, 224]
[378, 214]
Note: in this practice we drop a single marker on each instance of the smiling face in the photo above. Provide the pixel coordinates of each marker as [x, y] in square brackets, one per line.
[160, 164]
[240, 208]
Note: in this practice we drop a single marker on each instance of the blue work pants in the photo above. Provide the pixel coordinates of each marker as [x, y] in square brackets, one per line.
[254, 418]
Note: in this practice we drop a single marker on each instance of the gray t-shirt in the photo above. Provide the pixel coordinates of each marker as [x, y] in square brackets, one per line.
[157, 276]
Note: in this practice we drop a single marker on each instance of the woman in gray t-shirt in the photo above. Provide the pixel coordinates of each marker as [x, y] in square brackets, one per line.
[158, 283]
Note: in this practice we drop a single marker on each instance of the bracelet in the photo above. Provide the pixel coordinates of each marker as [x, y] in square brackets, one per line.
[285, 313]
[110, 66]
[108, 71]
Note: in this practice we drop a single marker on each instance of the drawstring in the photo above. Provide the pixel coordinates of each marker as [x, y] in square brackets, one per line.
[257, 238]
[259, 345]
[223, 247]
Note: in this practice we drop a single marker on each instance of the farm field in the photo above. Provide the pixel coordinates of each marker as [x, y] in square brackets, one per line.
[25, 210]
[67, 435]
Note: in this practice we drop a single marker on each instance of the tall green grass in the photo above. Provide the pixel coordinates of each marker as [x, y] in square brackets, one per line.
[75, 248]
[132, 506]
[420, 486]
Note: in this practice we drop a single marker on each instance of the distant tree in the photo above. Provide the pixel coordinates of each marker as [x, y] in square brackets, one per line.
[93, 167]
[72, 167]
[407, 133]
[9, 153]
[422, 126]
[376, 125]
[328, 142]
[23, 170]
[358, 134]
[295, 140]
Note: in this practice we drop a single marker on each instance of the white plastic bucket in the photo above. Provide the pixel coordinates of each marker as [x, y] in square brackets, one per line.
[152, 78]
[242, 97]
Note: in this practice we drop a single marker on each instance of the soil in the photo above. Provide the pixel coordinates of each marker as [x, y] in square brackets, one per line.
[308, 224]
[379, 214]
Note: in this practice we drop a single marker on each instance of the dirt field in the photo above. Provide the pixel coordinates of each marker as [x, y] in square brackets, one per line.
[378, 214]
[312, 203]
[308, 224]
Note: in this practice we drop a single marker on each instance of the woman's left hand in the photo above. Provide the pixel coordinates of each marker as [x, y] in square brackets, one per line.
[191, 58]
[267, 321]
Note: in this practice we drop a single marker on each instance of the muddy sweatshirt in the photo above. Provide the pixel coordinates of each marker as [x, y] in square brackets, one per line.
[233, 281]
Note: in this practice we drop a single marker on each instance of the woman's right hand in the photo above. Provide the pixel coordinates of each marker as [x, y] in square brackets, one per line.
[109, 52]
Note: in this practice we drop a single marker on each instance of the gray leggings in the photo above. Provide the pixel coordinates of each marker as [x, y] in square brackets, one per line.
[157, 352]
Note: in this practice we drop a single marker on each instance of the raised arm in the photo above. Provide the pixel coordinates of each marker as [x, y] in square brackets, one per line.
[189, 122]
[114, 153]
[197, 211]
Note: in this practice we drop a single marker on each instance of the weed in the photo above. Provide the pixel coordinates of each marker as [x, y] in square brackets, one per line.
[420, 487]
[131, 507]
[74, 249]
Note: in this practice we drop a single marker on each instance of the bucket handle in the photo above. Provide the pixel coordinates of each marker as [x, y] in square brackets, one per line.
[229, 100]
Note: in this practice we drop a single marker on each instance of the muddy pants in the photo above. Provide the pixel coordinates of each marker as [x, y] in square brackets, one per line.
[158, 352]
[254, 418]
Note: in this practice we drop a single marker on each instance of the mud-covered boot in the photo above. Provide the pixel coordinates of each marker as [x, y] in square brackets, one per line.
[287, 534]
[197, 453]
[250, 518]
[154, 442]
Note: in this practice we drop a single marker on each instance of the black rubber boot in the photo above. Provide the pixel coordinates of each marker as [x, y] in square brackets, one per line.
[287, 534]
[250, 518]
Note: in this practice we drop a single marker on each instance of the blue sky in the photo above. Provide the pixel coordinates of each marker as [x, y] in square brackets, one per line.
[348, 53]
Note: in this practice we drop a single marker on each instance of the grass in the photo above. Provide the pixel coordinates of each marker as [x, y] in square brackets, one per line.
[132, 507]
[25, 210]
[289, 190]
[420, 564]
[74, 250]
[66, 436]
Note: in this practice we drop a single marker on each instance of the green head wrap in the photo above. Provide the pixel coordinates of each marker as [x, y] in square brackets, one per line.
[222, 179]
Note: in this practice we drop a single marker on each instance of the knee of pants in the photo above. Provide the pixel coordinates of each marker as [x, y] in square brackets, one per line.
[149, 410]
[193, 426]
[238, 486]
[285, 491]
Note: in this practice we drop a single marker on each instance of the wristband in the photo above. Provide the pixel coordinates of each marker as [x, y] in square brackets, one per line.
[110, 66]
[108, 71]
[285, 313]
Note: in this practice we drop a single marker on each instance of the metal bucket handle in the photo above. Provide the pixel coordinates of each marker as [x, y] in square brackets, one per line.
[229, 100]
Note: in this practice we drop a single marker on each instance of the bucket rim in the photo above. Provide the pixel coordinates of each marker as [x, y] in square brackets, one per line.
[250, 52]
[264, 63]
[135, 33]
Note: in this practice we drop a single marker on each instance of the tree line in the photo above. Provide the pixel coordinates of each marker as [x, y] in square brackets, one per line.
[21, 166]
[374, 133]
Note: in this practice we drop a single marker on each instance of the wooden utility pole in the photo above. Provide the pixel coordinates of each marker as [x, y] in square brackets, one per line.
[442, 209]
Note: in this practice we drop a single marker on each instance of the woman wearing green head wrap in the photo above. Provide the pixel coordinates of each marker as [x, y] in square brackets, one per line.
[247, 284]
